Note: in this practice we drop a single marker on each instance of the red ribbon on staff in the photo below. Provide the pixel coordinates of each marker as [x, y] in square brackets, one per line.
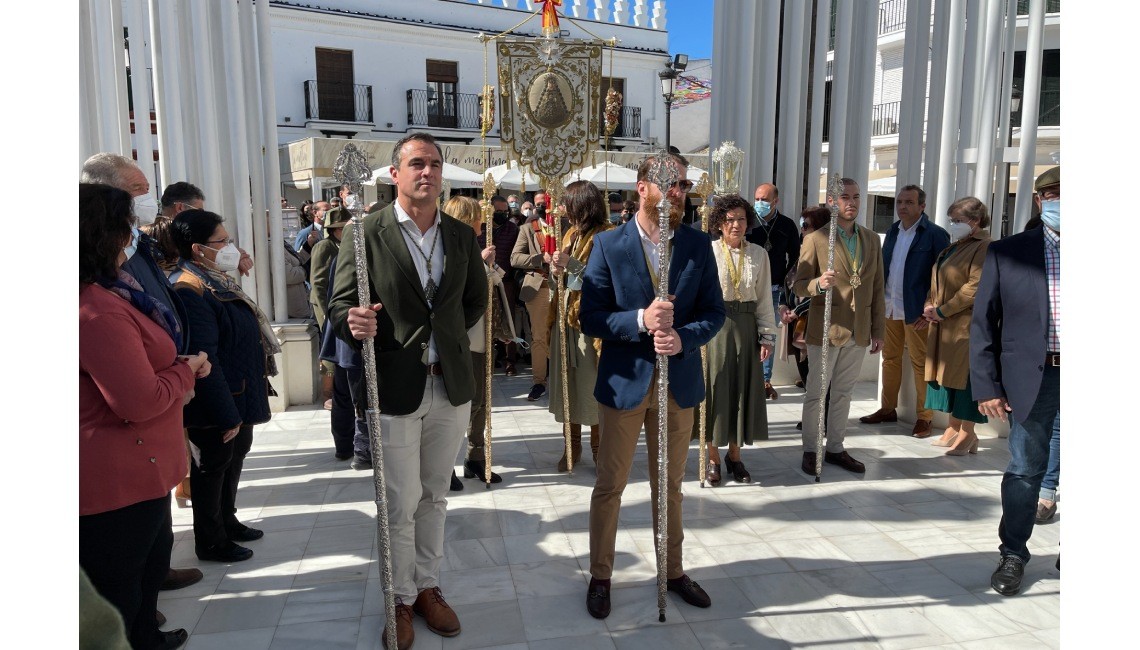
[550, 15]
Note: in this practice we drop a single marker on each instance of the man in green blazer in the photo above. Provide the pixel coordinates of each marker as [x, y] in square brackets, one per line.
[428, 286]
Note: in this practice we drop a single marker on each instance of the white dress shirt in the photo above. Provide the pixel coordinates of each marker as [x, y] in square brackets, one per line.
[419, 247]
[894, 289]
[651, 256]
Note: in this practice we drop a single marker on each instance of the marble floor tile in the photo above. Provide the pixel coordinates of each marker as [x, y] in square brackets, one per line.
[660, 637]
[820, 629]
[259, 639]
[227, 614]
[549, 617]
[487, 624]
[744, 632]
[333, 635]
[324, 602]
[548, 578]
[901, 626]
[591, 642]
[477, 585]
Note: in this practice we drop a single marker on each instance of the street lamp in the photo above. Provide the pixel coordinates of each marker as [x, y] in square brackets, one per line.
[668, 77]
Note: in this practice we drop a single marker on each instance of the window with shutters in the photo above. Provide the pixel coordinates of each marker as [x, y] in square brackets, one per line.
[335, 85]
[442, 99]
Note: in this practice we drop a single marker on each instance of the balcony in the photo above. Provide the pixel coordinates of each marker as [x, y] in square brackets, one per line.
[892, 16]
[630, 125]
[444, 110]
[338, 102]
[885, 118]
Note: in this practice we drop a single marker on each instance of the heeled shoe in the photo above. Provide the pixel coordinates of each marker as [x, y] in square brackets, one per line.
[947, 438]
[182, 493]
[739, 474]
[712, 474]
[965, 443]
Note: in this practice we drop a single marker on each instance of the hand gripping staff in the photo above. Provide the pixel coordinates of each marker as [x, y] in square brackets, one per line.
[352, 167]
[834, 189]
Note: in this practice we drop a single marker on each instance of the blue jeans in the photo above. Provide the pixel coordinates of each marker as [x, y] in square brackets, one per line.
[1053, 473]
[1028, 460]
[772, 357]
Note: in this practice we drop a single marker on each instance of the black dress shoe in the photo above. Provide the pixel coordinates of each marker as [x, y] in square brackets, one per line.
[179, 578]
[172, 639]
[159, 618]
[359, 463]
[808, 463]
[712, 474]
[456, 484]
[739, 474]
[844, 460]
[1006, 580]
[340, 456]
[598, 598]
[225, 552]
[689, 591]
[477, 469]
[244, 534]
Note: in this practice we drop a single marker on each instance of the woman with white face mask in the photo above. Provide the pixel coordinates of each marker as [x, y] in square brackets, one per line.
[219, 421]
[949, 307]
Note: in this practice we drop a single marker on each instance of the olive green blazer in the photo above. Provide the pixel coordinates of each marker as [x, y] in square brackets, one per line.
[406, 322]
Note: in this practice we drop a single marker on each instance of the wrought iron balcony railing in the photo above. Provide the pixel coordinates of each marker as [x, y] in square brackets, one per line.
[443, 110]
[338, 102]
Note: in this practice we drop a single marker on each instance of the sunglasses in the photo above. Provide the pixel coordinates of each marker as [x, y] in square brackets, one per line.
[684, 185]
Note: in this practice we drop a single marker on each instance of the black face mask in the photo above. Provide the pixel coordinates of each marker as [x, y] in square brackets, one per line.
[500, 217]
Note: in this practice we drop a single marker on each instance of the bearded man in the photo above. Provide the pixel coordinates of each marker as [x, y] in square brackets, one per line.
[619, 306]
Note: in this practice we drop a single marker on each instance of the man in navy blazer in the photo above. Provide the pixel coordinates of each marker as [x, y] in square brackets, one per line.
[618, 307]
[1015, 366]
[912, 245]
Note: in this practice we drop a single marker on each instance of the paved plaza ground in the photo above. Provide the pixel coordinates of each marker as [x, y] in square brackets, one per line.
[898, 558]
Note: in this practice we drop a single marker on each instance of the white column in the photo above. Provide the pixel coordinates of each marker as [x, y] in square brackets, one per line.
[912, 110]
[792, 108]
[90, 133]
[1001, 182]
[139, 32]
[951, 110]
[602, 11]
[236, 210]
[109, 76]
[734, 51]
[819, 72]
[984, 173]
[235, 153]
[840, 85]
[639, 13]
[861, 98]
[119, 77]
[935, 103]
[1030, 112]
[168, 113]
[246, 50]
[271, 164]
[209, 136]
[972, 74]
[190, 39]
[761, 119]
[659, 15]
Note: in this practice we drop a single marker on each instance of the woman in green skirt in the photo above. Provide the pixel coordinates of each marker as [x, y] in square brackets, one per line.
[949, 307]
[735, 413]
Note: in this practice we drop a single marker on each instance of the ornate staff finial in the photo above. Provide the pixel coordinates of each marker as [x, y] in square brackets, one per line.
[834, 189]
[352, 167]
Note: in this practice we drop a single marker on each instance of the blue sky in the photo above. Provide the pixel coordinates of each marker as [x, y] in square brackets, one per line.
[690, 27]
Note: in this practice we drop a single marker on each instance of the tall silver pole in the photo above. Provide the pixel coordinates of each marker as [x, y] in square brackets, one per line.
[1030, 112]
[986, 133]
[951, 111]
[352, 167]
[834, 189]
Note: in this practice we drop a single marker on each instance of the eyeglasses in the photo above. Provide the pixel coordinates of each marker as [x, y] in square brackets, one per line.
[219, 241]
[684, 186]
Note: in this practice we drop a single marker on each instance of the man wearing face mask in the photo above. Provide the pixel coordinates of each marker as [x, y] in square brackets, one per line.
[618, 306]
[911, 247]
[1019, 299]
[506, 233]
[121, 172]
[531, 253]
[181, 196]
[778, 235]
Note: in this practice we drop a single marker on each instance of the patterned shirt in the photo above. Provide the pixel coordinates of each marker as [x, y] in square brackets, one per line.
[1053, 275]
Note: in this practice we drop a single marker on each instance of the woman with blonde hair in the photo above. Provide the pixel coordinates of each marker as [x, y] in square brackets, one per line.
[949, 307]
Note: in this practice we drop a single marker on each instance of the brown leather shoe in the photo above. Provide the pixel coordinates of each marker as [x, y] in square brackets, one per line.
[405, 634]
[438, 615]
[770, 392]
[844, 460]
[880, 416]
[179, 578]
[921, 429]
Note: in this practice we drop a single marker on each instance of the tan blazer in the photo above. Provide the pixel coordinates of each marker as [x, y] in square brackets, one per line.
[855, 313]
[953, 283]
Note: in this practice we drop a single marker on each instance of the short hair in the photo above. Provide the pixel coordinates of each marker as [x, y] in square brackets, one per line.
[418, 136]
[630, 206]
[816, 217]
[106, 169]
[913, 188]
[181, 192]
[647, 164]
[972, 209]
[193, 227]
[848, 181]
[463, 208]
[105, 221]
[498, 199]
[585, 205]
[722, 205]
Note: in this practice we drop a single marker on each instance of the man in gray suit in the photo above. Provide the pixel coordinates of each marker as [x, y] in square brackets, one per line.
[428, 287]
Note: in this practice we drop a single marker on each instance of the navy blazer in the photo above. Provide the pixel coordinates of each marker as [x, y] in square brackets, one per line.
[617, 283]
[143, 266]
[1010, 326]
[930, 240]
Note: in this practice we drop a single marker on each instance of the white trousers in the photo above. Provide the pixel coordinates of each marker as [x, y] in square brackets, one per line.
[419, 456]
[845, 362]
